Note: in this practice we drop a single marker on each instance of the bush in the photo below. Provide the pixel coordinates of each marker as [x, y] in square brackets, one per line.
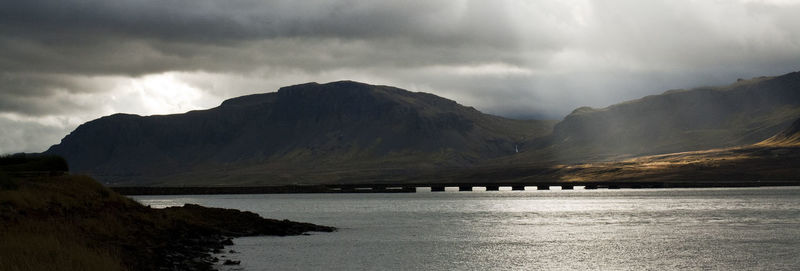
[32, 162]
[7, 183]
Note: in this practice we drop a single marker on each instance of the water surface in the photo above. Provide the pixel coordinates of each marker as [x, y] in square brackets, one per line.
[655, 229]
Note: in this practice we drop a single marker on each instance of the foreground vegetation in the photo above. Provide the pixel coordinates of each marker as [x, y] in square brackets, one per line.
[54, 221]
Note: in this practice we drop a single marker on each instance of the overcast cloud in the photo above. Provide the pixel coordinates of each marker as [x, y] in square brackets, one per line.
[63, 63]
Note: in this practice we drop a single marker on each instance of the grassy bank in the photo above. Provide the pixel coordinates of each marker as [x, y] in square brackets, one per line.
[68, 222]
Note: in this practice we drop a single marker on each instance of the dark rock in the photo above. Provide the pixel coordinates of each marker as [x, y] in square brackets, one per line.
[205, 230]
[231, 262]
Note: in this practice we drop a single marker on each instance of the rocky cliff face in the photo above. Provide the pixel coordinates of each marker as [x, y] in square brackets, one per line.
[339, 124]
[681, 120]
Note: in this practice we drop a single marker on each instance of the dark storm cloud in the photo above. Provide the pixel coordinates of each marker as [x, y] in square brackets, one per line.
[139, 37]
[142, 37]
[31, 94]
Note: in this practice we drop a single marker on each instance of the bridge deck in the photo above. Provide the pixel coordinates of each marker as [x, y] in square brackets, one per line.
[434, 187]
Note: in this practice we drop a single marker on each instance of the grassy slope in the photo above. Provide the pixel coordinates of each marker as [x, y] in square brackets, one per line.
[747, 164]
[788, 137]
[74, 223]
[774, 159]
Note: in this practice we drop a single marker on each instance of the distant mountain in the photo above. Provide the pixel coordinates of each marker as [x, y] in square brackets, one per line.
[745, 112]
[787, 137]
[303, 133]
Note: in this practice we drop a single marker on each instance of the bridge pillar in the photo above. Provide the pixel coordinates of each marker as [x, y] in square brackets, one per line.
[437, 188]
[492, 188]
[518, 188]
[542, 187]
[567, 187]
[465, 188]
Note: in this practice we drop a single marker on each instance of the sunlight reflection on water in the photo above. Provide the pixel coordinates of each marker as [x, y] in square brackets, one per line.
[721, 229]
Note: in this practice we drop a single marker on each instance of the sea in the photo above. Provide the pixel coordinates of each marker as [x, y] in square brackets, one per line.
[625, 229]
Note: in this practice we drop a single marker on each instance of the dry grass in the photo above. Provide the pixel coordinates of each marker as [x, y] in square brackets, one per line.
[45, 246]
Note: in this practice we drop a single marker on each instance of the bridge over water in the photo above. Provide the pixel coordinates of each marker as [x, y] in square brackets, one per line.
[437, 187]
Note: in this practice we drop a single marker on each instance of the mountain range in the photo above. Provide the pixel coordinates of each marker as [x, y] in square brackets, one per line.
[347, 131]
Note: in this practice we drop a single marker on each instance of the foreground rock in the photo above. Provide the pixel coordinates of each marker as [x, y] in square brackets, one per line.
[210, 229]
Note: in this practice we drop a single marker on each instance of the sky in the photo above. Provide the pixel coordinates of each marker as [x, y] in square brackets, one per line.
[65, 62]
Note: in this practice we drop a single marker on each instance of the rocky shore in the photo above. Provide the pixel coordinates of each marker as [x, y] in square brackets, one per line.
[213, 228]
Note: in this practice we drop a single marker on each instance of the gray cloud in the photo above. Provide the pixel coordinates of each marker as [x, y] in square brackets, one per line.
[221, 22]
[36, 94]
[28, 136]
[75, 60]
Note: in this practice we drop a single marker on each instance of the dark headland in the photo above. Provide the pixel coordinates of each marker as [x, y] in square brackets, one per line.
[50, 220]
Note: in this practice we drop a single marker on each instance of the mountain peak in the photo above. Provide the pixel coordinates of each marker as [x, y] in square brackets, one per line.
[304, 91]
[343, 85]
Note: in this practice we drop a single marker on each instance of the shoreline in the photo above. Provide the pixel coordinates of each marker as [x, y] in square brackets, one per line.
[73, 222]
[218, 228]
